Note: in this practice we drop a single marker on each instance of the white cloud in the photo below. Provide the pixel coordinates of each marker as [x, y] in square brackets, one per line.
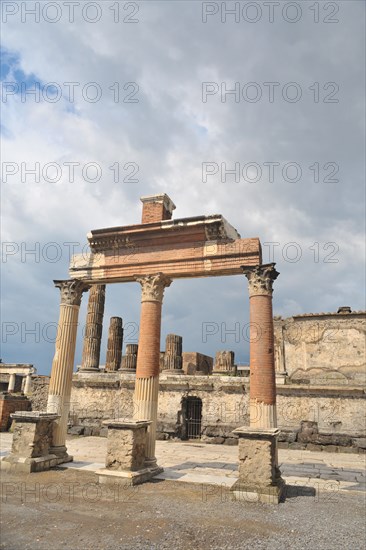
[169, 133]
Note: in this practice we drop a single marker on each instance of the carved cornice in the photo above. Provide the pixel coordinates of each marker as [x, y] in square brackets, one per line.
[260, 279]
[71, 291]
[153, 287]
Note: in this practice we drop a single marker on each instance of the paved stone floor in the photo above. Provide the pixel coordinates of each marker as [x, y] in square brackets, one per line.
[196, 462]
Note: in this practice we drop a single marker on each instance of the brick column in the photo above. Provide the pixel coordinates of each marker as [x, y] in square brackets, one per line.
[262, 366]
[114, 346]
[63, 362]
[93, 329]
[147, 371]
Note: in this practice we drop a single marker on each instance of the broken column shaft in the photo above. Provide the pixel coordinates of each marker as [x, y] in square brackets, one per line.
[93, 329]
[114, 346]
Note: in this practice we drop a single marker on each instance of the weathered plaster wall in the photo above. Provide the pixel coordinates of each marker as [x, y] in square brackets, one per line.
[336, 411]
[322, 349]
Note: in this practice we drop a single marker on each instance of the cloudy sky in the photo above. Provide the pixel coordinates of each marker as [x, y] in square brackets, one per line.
[133, 98]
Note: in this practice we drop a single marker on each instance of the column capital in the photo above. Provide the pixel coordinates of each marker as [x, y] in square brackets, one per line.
[153, 287]
[71, 291]
[260, 278]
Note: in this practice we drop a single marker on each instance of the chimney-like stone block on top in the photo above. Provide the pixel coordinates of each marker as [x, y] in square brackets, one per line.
[156, 208]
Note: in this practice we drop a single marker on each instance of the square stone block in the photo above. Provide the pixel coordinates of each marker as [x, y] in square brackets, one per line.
[32, 436]
[257, 461]
[259, 476]
[32, 439]
[126, 445]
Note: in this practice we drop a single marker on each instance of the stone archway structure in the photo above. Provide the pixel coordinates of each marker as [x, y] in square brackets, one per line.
[155, 253]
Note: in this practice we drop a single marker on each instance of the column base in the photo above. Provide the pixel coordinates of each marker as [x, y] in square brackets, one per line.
[127, 477]
[61, 454]
[28, 465]
[269, 494]
[281, 378]
[151, 463]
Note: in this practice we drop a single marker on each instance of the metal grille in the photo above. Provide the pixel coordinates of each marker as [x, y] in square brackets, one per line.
[193, 418]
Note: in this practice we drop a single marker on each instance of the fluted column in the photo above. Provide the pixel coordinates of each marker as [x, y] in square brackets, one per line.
[114, 346]
[173, 354]
[147, 372]
[262, 366]
[93, 329]
[63, 361]
[129, 361]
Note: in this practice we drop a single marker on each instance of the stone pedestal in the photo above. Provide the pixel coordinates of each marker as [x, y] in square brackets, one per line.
[259, 476]
[114, 346]
[93, 329]
[129, 361]
[126, 450]
[32, 439]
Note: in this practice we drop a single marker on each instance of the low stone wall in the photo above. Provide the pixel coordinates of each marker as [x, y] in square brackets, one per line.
[309, 417]
[9, 403]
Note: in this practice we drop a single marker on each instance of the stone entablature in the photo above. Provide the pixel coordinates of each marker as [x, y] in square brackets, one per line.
[187, 247]
[322, 348]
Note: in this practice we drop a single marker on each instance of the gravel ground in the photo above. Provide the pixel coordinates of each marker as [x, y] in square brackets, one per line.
[63, 509]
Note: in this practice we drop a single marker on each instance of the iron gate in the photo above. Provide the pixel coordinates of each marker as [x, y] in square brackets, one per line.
[193, 417]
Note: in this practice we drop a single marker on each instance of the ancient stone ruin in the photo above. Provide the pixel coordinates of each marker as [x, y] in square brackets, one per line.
[216, 401]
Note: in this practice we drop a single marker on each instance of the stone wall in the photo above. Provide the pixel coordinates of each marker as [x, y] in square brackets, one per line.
[9, 403]
[39, 393]
[199, 363]
[308, 417]
[322, 349]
